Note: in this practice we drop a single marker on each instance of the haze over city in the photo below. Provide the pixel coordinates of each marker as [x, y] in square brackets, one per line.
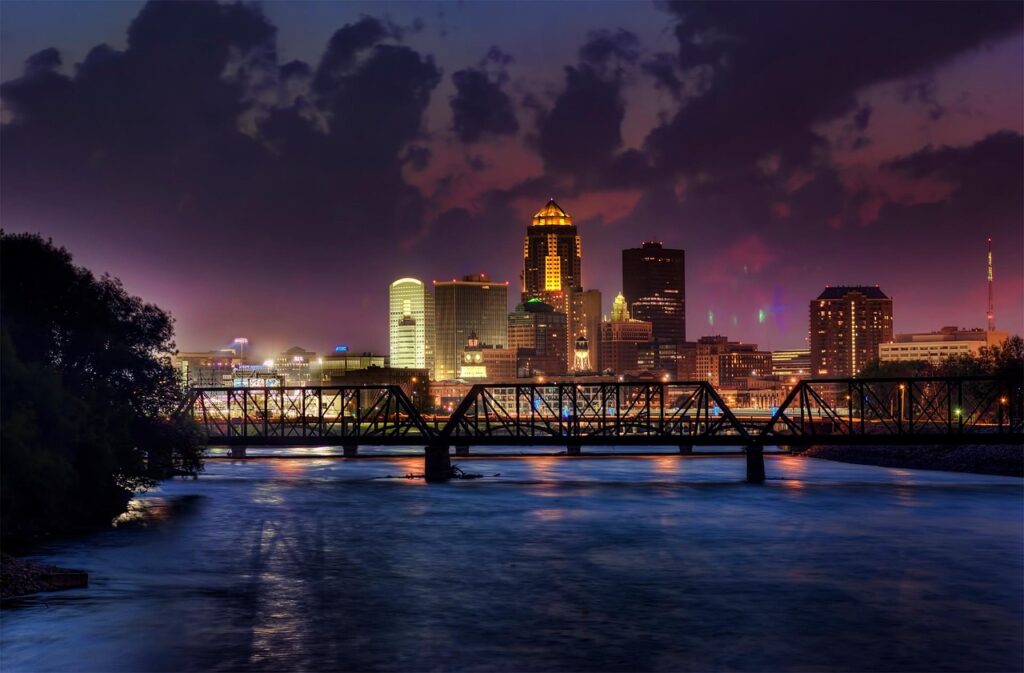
[219, 158]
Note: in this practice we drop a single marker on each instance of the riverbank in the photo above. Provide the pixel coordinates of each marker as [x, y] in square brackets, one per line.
[19, 577]
[1003, 459]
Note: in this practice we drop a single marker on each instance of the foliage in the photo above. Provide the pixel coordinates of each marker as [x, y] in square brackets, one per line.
[87, 393]
[1005, 360]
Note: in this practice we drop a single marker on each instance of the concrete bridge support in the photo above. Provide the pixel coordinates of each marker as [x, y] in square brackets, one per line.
[437, 464]
[238, 452]
[573, 449]
[462, 449]
[685, 448]
[755, 464]
[350, 450]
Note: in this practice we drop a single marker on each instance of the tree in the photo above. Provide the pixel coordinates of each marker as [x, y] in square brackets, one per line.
[87, 393]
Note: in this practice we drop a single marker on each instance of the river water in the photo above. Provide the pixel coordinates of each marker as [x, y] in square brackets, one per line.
[605, 564]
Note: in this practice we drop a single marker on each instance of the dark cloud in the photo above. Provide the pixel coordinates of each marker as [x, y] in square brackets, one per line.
[480, 105]
[618, 47]
[778, 69]
[582, 132]
[195, 133]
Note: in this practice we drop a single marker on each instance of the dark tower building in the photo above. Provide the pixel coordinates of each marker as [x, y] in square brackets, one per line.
[654, 285]
[847, 326]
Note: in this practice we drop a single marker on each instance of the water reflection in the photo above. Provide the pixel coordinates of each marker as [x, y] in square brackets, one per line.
[660, 563]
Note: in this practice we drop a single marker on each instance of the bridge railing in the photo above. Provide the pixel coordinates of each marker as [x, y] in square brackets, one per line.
[312, 412]
[900, 409]
[613, 412]
[684, 413]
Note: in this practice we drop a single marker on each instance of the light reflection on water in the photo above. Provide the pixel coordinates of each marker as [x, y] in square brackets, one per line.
[654, 563]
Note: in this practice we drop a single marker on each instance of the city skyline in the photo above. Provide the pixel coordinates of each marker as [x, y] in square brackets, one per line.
[894, 172]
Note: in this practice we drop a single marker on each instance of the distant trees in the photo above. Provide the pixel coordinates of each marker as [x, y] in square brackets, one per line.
[1006, 359]
[87, 393]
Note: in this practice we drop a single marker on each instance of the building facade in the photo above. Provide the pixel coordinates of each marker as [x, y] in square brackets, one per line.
[847, 325]
[536, 331]
[728, 364]
[473, 305]
[792, 363]
[934, 347]
[411, 317]
[622, 338]
[590, 326]
[484, 362]
[654, 285]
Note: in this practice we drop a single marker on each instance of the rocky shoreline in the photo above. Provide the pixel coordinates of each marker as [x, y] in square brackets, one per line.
[19, 577]
[1001, 459]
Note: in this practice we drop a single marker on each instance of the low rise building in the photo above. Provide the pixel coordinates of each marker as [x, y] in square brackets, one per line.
[934, 347]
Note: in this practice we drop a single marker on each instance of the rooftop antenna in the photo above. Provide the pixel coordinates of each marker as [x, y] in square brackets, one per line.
[991, 306]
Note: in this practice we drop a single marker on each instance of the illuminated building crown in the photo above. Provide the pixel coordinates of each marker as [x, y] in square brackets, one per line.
[551, 215]
[620, 312]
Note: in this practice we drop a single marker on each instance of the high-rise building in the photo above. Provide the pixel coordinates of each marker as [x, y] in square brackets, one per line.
[848, 324]
[654, 284]
[622, 337]
[474, 304]
[411, 325]
[552, 261]
[934, 347]
[537, 333]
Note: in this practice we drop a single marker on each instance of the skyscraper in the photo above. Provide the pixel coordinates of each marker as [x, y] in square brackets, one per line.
[654, 284]
[847, 326]
[552, 260]
[411, 325]
[462, 307]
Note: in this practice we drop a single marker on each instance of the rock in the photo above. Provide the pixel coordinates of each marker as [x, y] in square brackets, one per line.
[19, 577]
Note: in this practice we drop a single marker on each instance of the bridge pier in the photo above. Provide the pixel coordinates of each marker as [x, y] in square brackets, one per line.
[462, 449]
[686, 448]
[573, 449]
[238, 452]
[755, 464]
[350, 450]
[437, 464]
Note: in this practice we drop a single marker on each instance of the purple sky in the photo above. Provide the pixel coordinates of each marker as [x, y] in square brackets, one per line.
[267, 172]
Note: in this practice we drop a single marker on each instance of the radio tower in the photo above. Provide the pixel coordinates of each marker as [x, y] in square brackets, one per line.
[991, 307]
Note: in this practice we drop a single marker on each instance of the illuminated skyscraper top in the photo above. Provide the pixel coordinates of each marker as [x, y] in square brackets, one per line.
[551, 256]
[551, 215]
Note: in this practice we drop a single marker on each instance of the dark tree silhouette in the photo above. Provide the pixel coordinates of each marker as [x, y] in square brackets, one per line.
[87, 393]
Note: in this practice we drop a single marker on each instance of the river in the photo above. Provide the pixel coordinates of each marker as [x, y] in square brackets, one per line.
[556, 564]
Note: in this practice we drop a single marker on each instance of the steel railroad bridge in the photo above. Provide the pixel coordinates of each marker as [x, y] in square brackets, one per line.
[922, 410]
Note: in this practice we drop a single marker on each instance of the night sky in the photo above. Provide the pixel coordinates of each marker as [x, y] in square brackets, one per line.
[266, 171]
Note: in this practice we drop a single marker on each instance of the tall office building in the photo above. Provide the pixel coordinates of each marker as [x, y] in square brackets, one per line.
[411, 325]
[474, 304]
[848, 324]
[654, 284]
[552, 261]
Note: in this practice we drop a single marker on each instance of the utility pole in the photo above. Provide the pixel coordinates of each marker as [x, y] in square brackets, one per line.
[991, 306]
